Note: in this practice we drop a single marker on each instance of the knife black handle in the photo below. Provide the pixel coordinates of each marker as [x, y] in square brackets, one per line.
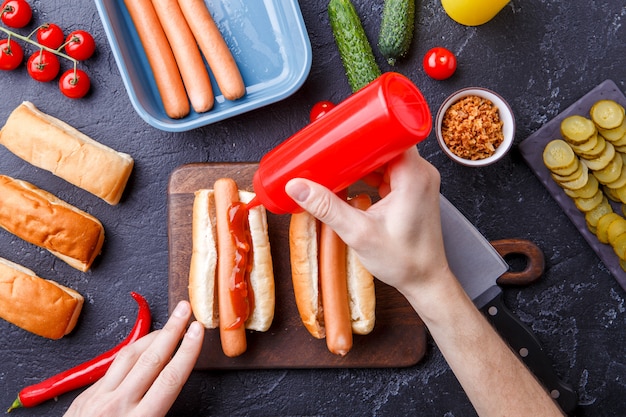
[528, 348]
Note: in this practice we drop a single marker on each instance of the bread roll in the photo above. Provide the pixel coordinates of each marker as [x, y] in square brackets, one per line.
[38, 305]
[42, 219]
[303, 242]
[202, 272]
[55, 146]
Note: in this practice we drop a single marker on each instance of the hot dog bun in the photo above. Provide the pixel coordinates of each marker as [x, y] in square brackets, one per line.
[42, 219]
[55, 146]
[203, 273]
[304, 256]
[40, 306]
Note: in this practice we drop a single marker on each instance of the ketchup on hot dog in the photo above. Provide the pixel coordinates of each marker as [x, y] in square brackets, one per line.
[240, 288]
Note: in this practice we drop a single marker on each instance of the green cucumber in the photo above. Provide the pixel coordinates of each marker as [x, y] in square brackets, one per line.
[354, 48]
[396, 29]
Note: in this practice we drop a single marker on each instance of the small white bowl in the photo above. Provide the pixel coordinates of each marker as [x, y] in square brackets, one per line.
[505, 113]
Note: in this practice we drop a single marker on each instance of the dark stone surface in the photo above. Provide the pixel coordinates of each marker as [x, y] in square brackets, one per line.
[540, 55]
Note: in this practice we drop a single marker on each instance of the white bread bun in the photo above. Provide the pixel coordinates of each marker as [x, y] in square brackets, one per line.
[42, 219]
[53, 145]
[202, 271]
[38, 305]
[304, 256]
[361, 293]
[303, 245]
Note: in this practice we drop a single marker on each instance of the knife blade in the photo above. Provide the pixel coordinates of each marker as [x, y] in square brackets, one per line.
[477, 266]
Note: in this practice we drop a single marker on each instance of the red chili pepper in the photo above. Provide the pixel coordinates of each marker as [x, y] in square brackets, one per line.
[87, 372]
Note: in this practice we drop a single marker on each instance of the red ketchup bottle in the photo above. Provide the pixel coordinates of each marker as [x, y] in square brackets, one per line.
[354, 138]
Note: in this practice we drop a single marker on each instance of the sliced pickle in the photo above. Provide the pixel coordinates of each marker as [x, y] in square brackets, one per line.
[602, 230]
[592, 217]
[587, 191]
[601, 161]
[587, 145]
[616, 228]
[596, 151]
[611, 194]
[577, 129]
[621, 193]
[578, 183]
[612, 171]
[621, 141]
[607, 114]
[615, 133]
[588, 204]
[619, 246]
[570, 177]
[558, 155]
[621, 180]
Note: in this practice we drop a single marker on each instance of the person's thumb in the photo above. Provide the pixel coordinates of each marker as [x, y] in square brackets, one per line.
[321, 203]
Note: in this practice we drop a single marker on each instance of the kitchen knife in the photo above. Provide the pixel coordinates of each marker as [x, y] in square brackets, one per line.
[477, 265]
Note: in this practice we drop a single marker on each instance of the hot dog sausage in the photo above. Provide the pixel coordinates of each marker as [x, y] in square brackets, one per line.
[233, 339]
[214, 48]
[188, 57]
[160, 57]
[334, 288]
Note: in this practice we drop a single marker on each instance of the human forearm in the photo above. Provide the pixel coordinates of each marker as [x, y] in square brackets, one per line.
[495, 380]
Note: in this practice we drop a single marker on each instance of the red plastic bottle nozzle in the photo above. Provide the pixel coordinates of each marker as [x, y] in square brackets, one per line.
[351, 140]
[255, 202]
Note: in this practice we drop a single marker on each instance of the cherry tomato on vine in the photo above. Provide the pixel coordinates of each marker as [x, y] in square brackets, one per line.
[16, 13]
[50, 35]
[439, 63]
[11, 54]
[43, 66]
[80, 45]
[74, 84]
[319, 109]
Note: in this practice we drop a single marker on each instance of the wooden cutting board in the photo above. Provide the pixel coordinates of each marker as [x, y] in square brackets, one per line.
[398, 338]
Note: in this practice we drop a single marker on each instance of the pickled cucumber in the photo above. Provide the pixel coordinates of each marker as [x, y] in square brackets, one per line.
[588, 204]
[592, 217]
[607, 114]
[602, 230]
[558, 155]
[590, 188]
[577, 129]
[602, 160]
[612, 171]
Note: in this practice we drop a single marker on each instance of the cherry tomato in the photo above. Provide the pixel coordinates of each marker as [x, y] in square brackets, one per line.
[16, 13]
[80, 45]
[319, 109]
[43, 66]
[439, 63]
[74, 84]
[11, 54]
[50, 35]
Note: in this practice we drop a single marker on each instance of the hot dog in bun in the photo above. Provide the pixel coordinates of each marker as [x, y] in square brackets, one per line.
[220, 293]
[334, 293]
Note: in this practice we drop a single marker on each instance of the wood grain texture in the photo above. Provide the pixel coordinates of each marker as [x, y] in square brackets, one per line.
[398, 338]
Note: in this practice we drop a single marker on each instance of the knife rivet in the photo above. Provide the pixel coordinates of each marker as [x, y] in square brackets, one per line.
[555, 394]
[523, 352]
[492, 311]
